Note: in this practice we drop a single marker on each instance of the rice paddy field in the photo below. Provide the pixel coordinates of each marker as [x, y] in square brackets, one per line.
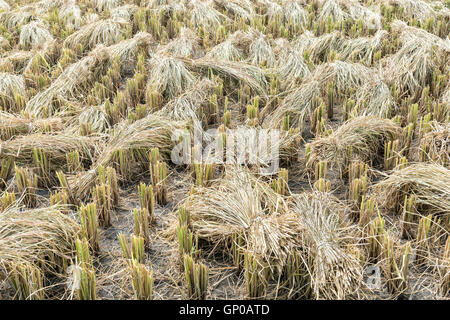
[96, 95]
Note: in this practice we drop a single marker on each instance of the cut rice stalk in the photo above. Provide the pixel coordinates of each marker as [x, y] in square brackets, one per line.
[103, 202]
[27, 281]
[142, 281]
[396, 265]
[133, 249]
[197, 275]
[84, 273]
[89, 225]
[147, 200]
[142, 225]
[27, 183]
[256, 276]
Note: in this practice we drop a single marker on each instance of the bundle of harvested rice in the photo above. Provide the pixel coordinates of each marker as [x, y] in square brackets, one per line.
[91, 18]
[106, 32]
[273, 10]
[298, 104]
[261, 53]
[15, 61]
[294, 14]
[186, 45]
[344, 75]
[103, 5]
[169, 7]
[375, 98]
[140, 137]
[291, 66]
[4, 44]
[46, 55]
[242, 205]
[418, 9]
[95, 118]
[168, 76]
[242, 40]
[13, 93]
[73, 79]
[250, 75]
[362, 49]
[332, 10]
[189, 105]
[363, 137]
[408, 33]
[370, 18]
[12, 125]
[441, 10]
[44, 5]
[317, 48]
[410, 68]
[4, 6]
[128, 150]
[203, 15]
[18, 17]
[126, 51]
[326, 237]
[125, 12]
[54, 146]
[34, 34]
[259, 147]
[225, 51]
[435, 144]
[70, 14]
[280, 45]
[428, 182]
[239, 9]
[44, 238]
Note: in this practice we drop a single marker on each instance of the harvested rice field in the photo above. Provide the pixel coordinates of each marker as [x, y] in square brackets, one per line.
[224, 149]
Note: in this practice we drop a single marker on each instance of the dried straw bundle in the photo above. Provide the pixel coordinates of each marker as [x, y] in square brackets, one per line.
[325, 239]
[12, 125]
[73, 80]
[363, 136]
[44, 238]
[168, 76]
[54, 146]
[12, 92]
[427, 181]
[34, 34]
[127, 51]
[128, 150]
[250, 75]
[243, 205]
[106, 32]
